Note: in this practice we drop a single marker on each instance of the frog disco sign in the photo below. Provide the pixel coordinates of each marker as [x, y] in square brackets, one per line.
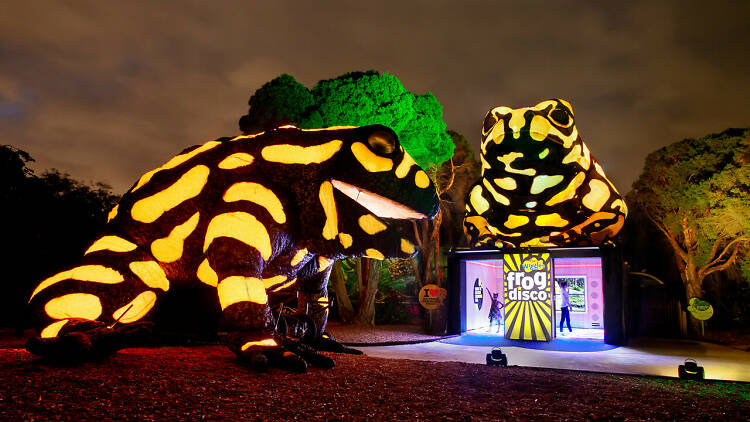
[528, 296]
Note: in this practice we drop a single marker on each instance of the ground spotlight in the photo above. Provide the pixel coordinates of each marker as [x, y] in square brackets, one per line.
[689, 370]
[497, 358]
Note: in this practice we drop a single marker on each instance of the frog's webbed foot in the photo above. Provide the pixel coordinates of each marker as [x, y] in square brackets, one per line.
[327, 343]
[85, 340]
[278, 352]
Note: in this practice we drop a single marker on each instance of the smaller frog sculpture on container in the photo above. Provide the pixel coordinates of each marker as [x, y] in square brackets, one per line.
[540, 186]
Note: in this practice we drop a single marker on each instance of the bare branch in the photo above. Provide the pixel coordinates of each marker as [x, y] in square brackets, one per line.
[670, 237]
[706, 270]
[717, 264]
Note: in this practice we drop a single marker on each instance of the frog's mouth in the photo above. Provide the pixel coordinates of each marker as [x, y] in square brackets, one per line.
[377, 204]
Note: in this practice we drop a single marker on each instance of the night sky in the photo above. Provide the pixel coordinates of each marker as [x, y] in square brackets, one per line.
[108, 90]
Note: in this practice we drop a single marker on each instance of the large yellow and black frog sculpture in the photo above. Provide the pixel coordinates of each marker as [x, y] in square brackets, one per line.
[248, 217]
[540, 186]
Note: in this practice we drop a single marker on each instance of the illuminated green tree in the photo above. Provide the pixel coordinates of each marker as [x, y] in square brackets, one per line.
[281, 101]
[697, 193]
[364, 98]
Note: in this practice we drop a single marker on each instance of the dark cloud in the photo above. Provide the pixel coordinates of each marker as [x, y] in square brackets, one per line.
[106, 91]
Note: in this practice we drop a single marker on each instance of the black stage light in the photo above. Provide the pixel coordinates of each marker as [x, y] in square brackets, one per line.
[497, 358]
[691, 371]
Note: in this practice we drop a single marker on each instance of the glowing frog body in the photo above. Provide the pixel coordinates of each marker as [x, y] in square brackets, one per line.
[249, 217]
[540, 186]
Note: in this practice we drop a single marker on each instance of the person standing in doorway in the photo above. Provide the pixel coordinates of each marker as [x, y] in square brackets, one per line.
[564, 306]
[495, 311]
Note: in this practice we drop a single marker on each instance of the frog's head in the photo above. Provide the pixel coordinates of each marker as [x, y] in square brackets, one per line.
[370, 190]
[532, 148]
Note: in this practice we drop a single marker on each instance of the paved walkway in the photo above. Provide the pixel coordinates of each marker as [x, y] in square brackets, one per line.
[646, 357]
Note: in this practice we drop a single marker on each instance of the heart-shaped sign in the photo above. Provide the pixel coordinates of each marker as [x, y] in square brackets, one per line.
[434, 292]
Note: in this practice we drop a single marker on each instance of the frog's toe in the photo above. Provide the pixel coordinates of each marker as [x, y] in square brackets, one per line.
[327, 343]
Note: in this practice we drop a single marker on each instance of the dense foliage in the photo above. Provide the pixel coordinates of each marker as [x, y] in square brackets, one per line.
[50, 220]
[697, 193]
[356, 99]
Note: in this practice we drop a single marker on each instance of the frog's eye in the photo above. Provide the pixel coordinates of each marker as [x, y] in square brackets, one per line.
[489, 121]
[560, 116]
[382, 142]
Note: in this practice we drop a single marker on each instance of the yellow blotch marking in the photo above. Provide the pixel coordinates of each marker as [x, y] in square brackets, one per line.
[236, 289]
[551, 220]
[374, 253]
[543, 154]
[403, 168]
[240, 226]
[507, 159]
[478, 202]
[323, 300]
[371, 225]
[111, 243]
[517, 121]
[298, 257]
[619, 203]
[331, 227]
[169, 249]
[136, 308]
[406, 246]
[609, 231]
[52, 329]
[600, 170]
[151, 273]
[323, 263]
[514, 221]
[285, 285]
[258, 194]
[585, 162]
[544, 104]
[296, 154]
[485, 164]
[506, 183]
[207, 275]
[597, 197]
[269, 342]
[573, 156]
[421, 179]
[113, 213]
[369, 160]
[272, 281]
[330, 128]
[569, 191]
[541, 183]
[147, 210]
[174, 162]
[538, 241]
[499, 198]
[74, 305]
[236, 160]
[346, 240]
[93, 273]
[498, 132]
[250, 136]
[539, 128]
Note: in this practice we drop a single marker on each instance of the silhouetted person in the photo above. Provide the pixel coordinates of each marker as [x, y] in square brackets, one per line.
[495, 314]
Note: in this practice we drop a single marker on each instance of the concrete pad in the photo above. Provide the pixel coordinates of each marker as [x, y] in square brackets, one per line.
[645, 357]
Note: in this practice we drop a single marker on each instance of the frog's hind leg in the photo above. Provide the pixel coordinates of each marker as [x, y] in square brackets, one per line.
[99, 306]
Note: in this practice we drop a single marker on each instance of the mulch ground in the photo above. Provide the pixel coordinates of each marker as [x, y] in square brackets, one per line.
[206, 382]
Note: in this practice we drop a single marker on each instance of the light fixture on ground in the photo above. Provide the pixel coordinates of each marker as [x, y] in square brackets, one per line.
[691, 371]
[497, 358]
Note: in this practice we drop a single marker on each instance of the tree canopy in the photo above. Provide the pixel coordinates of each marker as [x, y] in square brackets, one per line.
[49, 220]
[697, 193]
[357, 99]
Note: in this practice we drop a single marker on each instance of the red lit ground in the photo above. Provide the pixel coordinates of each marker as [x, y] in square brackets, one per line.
[206, 382]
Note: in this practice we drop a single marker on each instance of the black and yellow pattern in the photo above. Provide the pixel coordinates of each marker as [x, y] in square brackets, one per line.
[540, 186]
[528, 302]
[247, 217]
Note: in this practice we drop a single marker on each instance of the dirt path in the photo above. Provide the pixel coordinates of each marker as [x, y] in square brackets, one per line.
[178, 383]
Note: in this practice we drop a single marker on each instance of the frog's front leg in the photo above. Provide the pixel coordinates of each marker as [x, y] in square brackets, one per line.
[312, 298]
[246, 315]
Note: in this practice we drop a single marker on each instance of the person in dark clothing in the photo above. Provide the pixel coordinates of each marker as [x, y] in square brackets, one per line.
[495, 314]
[564, 306]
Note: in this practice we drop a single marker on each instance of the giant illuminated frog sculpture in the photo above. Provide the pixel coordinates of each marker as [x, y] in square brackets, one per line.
[540, 186]
[250, 217]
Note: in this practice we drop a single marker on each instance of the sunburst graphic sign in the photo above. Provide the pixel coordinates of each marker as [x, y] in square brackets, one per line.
[528, 296]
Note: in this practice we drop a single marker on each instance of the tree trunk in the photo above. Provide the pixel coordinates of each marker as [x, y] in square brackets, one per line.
[693, 288]
[344, 305]
[366, 311]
